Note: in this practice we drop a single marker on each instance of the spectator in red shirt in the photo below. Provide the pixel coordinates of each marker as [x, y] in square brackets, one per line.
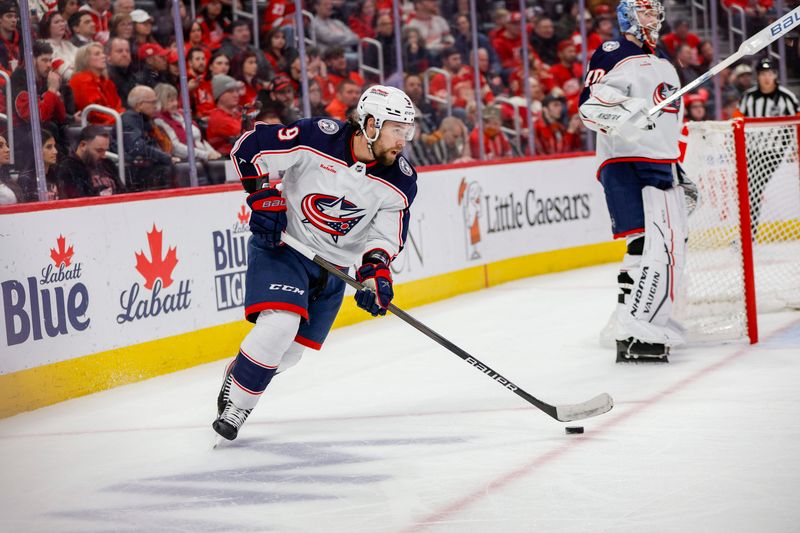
[52, 113]
[98, 9]
[551, 135]
[567, 68]
[193, 38]
[678, 36]
[244, 68]
[279, 13]
[200, 90]
[274, 44]
[9, 36]
[346, 98]
[225, 122]
[362, 22]
[603, 30]
[459, 73]
[213, 23]
[337, 67]
[90, 83]
[495, 143]
[508, 44]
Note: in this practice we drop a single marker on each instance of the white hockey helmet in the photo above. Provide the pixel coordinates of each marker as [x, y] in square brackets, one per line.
[628, 18]
[385, 103]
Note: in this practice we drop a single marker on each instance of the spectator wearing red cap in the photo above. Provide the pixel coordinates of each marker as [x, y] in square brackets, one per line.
[679, 35]
[695, 105]
[244, 68]
[90, 83]
[568, 67]
[281, 98]
[213, 23]
[201, 92]
[98, 9]
[153, 61]
[225, 121]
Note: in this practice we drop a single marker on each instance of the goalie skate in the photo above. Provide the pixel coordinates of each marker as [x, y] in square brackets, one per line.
[631, 350]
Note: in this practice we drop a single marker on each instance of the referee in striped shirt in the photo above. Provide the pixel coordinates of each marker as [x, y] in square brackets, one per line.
[766, 148]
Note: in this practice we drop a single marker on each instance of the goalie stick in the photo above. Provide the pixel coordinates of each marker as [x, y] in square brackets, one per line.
[757, 42]
[565, 413]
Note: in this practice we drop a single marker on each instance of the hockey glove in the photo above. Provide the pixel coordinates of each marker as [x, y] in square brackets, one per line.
[268, 219]
[377, 292]
[690, 192]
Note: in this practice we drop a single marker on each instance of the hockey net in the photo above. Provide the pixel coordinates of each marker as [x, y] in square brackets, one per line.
[743, 256]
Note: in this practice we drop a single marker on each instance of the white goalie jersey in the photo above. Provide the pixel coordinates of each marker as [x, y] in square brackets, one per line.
[622, 79]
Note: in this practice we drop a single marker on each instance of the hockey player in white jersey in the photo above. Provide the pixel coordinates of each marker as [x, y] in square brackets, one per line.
[346, 193]
[637, 157]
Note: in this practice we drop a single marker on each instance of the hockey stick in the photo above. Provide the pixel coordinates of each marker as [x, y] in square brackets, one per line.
[757, 42]
[564, 413]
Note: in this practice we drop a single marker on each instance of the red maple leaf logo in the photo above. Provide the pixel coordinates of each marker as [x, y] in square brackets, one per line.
[243, 215]
[158, 267]
[62, 255]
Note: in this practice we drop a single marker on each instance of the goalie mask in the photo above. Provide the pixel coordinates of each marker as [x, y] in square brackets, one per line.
[385, 103]
[642, 19]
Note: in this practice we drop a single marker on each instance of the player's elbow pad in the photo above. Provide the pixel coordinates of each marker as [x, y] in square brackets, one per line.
[600, 114]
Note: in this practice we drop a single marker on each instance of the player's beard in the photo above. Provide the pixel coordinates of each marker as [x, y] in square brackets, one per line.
[384, 156]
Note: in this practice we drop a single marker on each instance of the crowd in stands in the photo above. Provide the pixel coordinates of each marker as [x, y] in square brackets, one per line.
[124, 57]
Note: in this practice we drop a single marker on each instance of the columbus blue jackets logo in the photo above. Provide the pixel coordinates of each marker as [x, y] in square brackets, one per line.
[335, 216]
[664, 91]
[328, 126]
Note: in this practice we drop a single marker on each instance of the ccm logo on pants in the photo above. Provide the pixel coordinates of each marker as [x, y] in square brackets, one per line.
[287, 288]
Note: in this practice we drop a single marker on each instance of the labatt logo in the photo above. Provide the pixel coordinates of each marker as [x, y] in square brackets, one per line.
[157, 273]
[230, 262]
[53, 305]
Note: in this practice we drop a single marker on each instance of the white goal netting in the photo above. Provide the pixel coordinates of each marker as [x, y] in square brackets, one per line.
[716, 287]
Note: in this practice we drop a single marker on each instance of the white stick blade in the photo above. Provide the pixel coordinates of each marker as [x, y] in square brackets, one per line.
[596, 406]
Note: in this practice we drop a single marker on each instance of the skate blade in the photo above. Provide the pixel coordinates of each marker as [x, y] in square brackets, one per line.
[218, 440]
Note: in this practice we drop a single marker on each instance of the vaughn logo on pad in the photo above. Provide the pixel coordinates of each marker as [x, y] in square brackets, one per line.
[156, 268]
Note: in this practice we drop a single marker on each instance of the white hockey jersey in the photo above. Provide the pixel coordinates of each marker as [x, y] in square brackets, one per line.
[340, 207]
[620, 70]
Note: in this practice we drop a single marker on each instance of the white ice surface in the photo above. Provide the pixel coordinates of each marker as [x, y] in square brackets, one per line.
[385, 431]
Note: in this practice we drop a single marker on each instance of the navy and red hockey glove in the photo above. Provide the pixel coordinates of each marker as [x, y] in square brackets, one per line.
[377, 293]
[269, 215]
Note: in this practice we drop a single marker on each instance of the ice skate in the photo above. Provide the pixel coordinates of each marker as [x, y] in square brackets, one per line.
[230, 421]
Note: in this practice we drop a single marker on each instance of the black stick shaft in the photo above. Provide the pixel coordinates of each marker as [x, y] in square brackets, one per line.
[422, 328]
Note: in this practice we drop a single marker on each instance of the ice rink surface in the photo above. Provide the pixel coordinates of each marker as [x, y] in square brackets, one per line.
[385, 431]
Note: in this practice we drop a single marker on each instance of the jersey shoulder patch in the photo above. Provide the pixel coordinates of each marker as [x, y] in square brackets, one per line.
[611, 53]
[405, 167]
[328, 126]
[610, 46]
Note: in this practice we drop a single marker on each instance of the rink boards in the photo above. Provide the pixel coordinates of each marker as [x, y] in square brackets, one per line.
[98, 293]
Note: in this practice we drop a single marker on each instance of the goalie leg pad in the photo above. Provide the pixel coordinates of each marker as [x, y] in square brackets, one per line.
[647, 311]
[260, 355]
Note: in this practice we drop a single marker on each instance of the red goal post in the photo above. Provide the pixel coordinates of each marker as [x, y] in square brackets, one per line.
[744, 237]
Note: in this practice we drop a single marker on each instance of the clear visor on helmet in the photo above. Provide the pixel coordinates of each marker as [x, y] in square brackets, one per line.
[398, 130]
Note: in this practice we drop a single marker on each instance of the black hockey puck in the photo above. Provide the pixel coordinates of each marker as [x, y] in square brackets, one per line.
[573, 429]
